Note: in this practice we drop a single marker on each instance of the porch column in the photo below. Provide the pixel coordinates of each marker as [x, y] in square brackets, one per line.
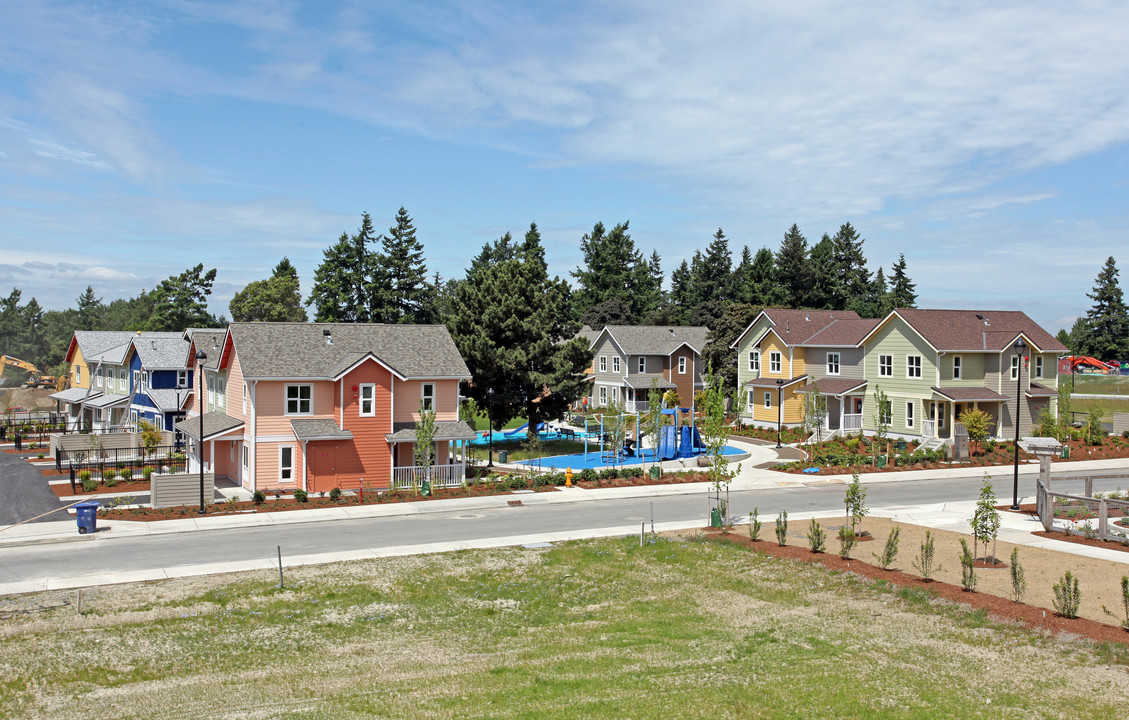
[842, 407]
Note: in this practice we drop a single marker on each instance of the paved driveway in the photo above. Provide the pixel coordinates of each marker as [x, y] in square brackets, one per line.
[24, 492]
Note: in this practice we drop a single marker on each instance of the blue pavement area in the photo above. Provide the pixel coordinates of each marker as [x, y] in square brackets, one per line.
[595, 459]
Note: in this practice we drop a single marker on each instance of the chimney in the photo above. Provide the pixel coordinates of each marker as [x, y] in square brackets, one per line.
[328, 336]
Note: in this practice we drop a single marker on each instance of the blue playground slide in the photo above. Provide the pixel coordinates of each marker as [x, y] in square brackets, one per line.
[686, 448]
[668, 445]
[542, 427]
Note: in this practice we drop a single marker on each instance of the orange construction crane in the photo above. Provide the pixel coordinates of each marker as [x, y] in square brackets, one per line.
[36, 378]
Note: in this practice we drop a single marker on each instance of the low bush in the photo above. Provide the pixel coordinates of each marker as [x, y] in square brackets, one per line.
[817, 538]
[259, 497]
[300, 495]
[147, 473]
[127, 474]
[335, 494]
[89, 484]
[588, 474]
[1067, 596]
[111, 480]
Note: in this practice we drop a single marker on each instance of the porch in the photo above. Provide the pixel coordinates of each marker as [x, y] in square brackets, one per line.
[637, 388]
[452, 474]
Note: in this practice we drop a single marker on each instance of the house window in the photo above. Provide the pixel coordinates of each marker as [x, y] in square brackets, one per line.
[144, 381]
[768, 400]
[913, 366]
[245, 393]
[299, 399]
[427, 396]
[1014, 367]
[286, 461]
[603, 395]
[182, 378]
[221, 392]
[123, 380]
[244, 446]
[682, 365]
[957, 367]
[909, 414]
[368, 400]
[750, 400]
[832, 363]
[775, 360]
[615, 364]
[77, 374]
[937, 412]
[1038, 366]
[754, 360]
[603, 363]
[98, 379]
[885, 366]
[211, 391]
[642, 364]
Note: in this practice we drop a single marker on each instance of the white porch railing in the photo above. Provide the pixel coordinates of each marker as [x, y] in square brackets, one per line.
[637, 406]
[441, 476]
[928, 428]
[852, 421]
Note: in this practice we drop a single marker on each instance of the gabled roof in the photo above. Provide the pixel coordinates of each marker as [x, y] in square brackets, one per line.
[800, 327]
[212, 341]
[95, 342]
[976, 330]
[318, 429]
[444, 431]
[303, 350]
[163, 351]
[215, 424]
[834, 386]
[655, 339]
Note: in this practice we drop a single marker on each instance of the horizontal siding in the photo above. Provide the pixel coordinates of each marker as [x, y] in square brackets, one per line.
[608, 350]
[896, 339]
[850, 362]
[369, 455]
[180, 489]
[743, 373]
[407, 396]
[972, 369]
[270, 417]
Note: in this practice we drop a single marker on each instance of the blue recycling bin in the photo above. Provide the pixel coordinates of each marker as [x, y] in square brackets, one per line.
[87, 515]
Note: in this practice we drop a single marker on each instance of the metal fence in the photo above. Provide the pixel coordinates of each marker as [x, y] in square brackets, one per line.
[117, 459]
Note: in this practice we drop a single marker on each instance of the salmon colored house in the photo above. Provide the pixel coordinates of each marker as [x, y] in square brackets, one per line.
[315, 406]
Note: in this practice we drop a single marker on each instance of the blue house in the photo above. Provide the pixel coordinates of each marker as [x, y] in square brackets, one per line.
[160, 381]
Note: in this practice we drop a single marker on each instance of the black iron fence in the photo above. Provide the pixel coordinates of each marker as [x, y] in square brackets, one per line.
[36, 426]
[121, 464]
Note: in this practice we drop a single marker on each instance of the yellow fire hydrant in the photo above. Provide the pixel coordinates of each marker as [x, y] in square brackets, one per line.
[568, 477]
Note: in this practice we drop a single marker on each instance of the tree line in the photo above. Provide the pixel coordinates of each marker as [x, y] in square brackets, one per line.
[1103, 332]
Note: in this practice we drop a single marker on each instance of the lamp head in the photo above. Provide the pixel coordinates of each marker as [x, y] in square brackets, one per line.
[1020, 346]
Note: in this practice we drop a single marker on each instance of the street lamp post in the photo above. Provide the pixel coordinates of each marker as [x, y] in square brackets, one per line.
[779, 409]
[201, 357]
[1020, 347]
[490, 426]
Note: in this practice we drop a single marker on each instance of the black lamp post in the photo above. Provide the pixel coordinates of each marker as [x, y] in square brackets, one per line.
[779, 409]
[490, 426]
[1020, 347]
[200, 358]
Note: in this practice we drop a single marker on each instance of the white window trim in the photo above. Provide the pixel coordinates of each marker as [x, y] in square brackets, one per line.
[909, 413]
[603, 363]
[282, 467]
[767, 400]
[885, 366]
[888, 419]
[750, 400]
[286, 399]
[371, 387]
[642, 364]
[98, 379]
[775, 362]
[244, 455]
[682, 364]
[123, 380]
[958, 367]
[1039, 366]
[837, 363]
[615, 364]
[910, 367]
[182, 378]
[603, 395]
[754, 361]
[1014, 367]
[424, 396]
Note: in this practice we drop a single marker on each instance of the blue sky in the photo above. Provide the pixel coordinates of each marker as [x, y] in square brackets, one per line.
[989, 141]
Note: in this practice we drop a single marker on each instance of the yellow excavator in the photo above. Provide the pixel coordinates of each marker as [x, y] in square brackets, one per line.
[35, 378]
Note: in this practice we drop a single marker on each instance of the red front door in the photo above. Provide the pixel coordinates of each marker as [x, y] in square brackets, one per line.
[324, 467]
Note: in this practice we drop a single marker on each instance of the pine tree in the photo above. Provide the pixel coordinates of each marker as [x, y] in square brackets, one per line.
[1107, 322]
[613, 269]
[347, 286]
[851, 279]
[902, 291]
[181, 301]
[743, 286]
[718, 352]
[406, 292]
[794, 274]
[682, 297]
[508, 323]
[89, 310]
[275, 299]
[764, 278]
[824, 292]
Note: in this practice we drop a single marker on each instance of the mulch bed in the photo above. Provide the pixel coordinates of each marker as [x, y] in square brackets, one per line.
[133, 486]
[1031, 509]
[1045, 619]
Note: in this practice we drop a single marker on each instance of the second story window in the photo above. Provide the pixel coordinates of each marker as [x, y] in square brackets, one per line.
[775, 362]
[427, 396]
[913, 366]
[1038, 366]
[98, 379]
[642, 364]
[603, 363]
[682, 365]
[832, 363]
[367, 400]
[144, 381]
[299, 399]
[885, 366]
[1014, 367]
[77, 374]
[182, 378]
[615, 363]
[754, 361]
[958, 369]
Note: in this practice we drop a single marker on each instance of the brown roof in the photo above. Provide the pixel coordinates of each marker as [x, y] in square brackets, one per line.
[833, 386]
[969, 394]
[977, 330]
[842, 332]
[1037, 390]
[797, 327]
[771, 382]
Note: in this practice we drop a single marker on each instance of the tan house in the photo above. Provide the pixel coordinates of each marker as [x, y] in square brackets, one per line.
[628, 360]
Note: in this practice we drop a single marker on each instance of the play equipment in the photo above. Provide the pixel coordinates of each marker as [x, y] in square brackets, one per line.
[541, 427]
[674, 443]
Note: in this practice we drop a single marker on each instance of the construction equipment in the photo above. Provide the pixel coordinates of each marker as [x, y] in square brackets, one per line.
[35, 378]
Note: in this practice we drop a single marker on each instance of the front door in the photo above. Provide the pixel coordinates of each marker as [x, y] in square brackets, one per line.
[324, 467]
[858, 406]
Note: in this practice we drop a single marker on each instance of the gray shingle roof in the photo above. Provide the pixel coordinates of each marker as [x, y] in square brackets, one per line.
[968, 394]
[211, 341]
[454, 430]
[977, 330]
[96, 342]
[833, 386]
[300, 350]
[215, 423]
[319, 429]
[657, 339]
[105, 401]
[73, 395]
[166, 399]
[161, 350]
[642, 381]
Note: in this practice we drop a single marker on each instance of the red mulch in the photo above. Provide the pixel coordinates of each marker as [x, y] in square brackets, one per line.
[1030, 509]
[1001, 608]
[133, 486]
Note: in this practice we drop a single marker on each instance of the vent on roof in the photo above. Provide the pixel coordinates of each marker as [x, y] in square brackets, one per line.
[672, 332]
[153, 344]
[328, 336]
[787, 326]
[807, 318]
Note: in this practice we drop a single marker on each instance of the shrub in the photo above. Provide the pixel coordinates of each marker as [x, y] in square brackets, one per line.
[609, 474]
[335, 494]
[517, 482]
[853, 444]
[1018, 580]
[111, 480]
[890, 551]
[967, 568]
[259, 497]
[588, 474]
[817, 538]
[755, 527]
[1067, 596]
[127, 474]
[83, 475]
[108, 475]
[846, 542]
[855, 500]
[1125, 599]
[300, 495]
[89, 484]
[782, 528]
[924, 562]
[147, 473]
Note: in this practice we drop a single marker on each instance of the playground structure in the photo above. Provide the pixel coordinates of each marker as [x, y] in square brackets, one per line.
[676, 440]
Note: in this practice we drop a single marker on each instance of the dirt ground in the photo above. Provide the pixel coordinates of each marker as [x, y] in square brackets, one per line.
[28, 398]
[1099, 580]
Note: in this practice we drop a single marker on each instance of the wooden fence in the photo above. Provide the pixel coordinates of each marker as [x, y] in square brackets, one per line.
[1046, 501]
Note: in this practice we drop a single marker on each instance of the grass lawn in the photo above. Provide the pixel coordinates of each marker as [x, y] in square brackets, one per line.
[481, 422]
[1098, 384]
[1108, 405]
[594, 629]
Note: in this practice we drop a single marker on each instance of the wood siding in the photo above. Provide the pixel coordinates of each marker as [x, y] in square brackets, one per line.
[408, 395]
[897, 339]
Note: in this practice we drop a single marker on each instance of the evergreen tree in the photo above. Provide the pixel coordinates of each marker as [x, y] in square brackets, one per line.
[181, 301]
[89, 310]
[682, 296]
[825, 292]
[613, 268]
[851, 279]
[1107, 322]
[902, 291]
[743, 286]
[764, 278]
[794, 273]
[510, 323]
[405, 290]
[276, 299]
[718, 353]
[649, 287]
[346, 287]
[1079, 340]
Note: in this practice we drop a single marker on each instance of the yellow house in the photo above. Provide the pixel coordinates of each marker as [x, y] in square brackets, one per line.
[86, 344]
